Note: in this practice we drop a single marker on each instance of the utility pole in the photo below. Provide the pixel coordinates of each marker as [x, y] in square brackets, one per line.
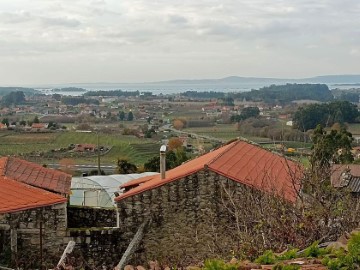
[41, 240]
[98, 153]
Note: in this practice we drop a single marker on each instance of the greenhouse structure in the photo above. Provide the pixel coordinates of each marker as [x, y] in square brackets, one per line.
[99, 190]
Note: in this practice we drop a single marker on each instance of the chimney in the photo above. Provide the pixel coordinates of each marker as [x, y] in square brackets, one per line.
[163, 161]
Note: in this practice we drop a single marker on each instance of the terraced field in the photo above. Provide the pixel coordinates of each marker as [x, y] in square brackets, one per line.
[224, 132]
[129, 147]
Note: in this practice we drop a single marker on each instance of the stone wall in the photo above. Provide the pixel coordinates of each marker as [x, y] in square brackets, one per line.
[88, 217]
[192, 219]
[97, 248]
[26, 225]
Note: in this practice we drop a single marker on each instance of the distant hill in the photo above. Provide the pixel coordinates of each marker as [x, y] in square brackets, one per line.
[230, 80]
[329, 79]
[26, 91]
[335, 79]
[69, 89]
[227, 84]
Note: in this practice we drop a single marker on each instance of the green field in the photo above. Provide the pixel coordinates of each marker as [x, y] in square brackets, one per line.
[129, 147]
[354, 128]
[223, 131]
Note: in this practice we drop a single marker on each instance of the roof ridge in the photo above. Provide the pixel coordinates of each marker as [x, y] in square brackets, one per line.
[223, 152]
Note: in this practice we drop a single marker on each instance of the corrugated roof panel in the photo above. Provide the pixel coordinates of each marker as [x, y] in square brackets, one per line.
[354, 184]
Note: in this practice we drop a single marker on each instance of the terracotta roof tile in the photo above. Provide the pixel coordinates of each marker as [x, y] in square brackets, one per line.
[258, 168]
[137, 182]
[240, 161]
[16, 196]
[3, 162]
[36, 175]
[38, 125]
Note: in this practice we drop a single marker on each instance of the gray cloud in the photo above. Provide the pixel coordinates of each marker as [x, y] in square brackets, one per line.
[66, 22]
[166, 39]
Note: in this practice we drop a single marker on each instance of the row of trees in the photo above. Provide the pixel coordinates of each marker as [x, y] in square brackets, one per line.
[276, 94]
[287, 93]
[265, 128]
[203, 94]
[128, 117]
[7, 122]
[112, 93]
[325, 114]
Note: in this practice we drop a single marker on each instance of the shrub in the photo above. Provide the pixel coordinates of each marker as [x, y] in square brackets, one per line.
[267, 258]
[314, 251]
[342, 260]
[354, 247]
[288, 255]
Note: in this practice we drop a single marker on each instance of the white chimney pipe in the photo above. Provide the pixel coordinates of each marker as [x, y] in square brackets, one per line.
[163, 161]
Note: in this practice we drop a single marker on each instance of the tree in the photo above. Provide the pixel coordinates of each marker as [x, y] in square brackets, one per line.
[246, 113]
[130, 116]
[332, 147]
[175, 143]
[326, 114]
[17, 97]
[125, 167]
[329, 210]
[57, 97]
[153, 164]
[53, 125]
[173, 159]
[5, 121]
[36, 119]
[121, 116]
[179, 124]
[249, 112]
[227, 101]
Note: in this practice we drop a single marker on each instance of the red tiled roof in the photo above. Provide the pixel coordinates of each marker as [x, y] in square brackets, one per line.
[16, 196]
[35, 175]
[38, 125]
[240, 161]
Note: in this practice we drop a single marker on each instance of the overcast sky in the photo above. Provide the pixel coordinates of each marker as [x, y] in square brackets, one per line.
[61, 41]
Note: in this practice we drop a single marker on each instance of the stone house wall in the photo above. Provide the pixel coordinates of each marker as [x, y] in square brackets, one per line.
[26, 224]
[89, 217]
[191, 219]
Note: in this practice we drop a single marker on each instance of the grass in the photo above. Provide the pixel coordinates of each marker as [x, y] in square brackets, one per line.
[354, 128]
[129, 147]
[225, 132]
